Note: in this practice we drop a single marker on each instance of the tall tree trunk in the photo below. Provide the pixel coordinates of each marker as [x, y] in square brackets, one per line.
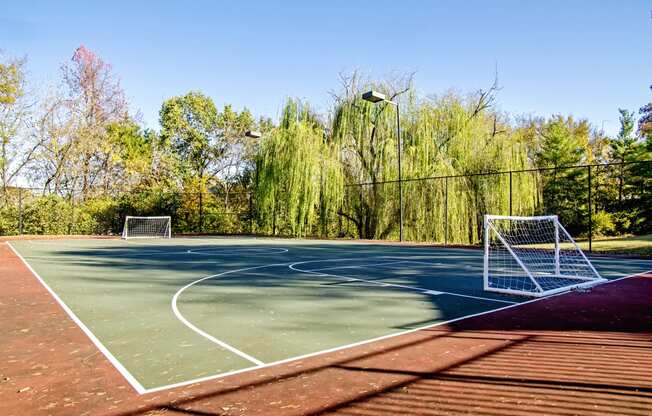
[201, 203]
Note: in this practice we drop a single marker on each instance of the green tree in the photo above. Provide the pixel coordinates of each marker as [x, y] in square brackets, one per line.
[132, 149]
[645, 123]
[237, 150]
[304, 163]
[189, 125]
[73, 125]
[16, 149]
[297, 179]
[640, 205]
[11, 81]
[624, 146]
[564, 142]
[209, 147]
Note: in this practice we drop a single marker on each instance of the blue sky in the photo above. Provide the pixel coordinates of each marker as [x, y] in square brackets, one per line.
[585, 58]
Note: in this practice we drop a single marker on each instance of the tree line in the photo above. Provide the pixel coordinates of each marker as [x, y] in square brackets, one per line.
[89, 162]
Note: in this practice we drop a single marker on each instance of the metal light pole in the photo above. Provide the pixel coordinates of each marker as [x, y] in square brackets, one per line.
[253, 134]
[376, 97]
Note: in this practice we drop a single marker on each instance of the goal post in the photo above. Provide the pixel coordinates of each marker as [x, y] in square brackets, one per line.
[533, 256]
[147, 227]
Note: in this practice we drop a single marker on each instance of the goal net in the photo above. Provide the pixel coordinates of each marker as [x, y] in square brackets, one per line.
[147, 227]
[533, 256]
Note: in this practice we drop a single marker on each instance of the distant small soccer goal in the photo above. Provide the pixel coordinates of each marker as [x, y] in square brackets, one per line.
[533, 256]
[147, 227]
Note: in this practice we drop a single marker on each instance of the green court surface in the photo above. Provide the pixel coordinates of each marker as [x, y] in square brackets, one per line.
[170, 312]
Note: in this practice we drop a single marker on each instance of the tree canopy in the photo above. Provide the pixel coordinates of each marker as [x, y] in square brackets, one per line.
[84, 149]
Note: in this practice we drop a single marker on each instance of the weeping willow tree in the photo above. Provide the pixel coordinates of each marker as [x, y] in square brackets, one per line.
[365, 138]
[299, 182]
[459, 137]
[306, 176]
[447, 139]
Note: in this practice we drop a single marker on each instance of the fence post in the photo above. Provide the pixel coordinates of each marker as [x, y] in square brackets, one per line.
[251, 213]
[510, 192]
[446, 211]
[590, 214]
[20, 211]
[339, 221]
[71, 223]
[201, 208]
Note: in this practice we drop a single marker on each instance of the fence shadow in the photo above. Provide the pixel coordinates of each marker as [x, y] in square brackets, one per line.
[581, 353]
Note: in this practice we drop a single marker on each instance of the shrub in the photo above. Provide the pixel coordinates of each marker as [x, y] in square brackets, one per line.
[603, 224]
[50, 214]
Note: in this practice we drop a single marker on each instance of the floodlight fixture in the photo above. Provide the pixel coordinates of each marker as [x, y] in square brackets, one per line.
[374, 96]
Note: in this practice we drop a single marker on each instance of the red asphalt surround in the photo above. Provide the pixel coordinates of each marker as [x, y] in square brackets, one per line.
[579, 353]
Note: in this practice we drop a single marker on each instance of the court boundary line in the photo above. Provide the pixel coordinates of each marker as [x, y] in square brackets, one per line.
[368, 341]
[135, 384]
[142, 390]
[385, 284]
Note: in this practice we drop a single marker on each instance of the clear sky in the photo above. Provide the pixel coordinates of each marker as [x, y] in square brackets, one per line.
[585, 58]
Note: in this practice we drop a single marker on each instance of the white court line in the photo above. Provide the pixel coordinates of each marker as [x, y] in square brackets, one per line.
[68, 240]
[117, 364]
[385, 284]
[358, 266]
[206, 335]
[368, 341]
[109, 254]
[424, 263]
[141, 390]
[212, 251]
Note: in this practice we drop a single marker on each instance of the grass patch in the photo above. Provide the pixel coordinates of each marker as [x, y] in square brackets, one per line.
[640, 245]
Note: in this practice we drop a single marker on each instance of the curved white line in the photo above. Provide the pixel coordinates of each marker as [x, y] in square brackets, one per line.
[384, 284]
[206, 335]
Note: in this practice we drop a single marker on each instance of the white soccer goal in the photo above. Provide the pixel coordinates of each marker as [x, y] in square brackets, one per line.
[533, 256]
[147, 227]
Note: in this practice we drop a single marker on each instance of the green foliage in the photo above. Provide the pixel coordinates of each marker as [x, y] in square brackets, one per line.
[134, 148]
[99, 165]
[47, 215]
[603, 224]
[564, 142]
[188, 125]
[208, 147]
[9, 215]
[301, 171]
[645, 123]
[625, 143]
[11, 77]
[296, 176]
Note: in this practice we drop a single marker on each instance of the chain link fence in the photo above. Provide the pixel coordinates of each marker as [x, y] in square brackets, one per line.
[591, 200]
[32, 211]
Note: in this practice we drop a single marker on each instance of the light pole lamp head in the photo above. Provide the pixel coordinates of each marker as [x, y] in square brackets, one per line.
[253, 134]
[374, 96]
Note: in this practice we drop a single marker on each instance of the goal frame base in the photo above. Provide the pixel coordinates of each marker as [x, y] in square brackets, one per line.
[585, 285]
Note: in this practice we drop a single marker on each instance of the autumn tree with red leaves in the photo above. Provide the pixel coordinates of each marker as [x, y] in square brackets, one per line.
[81, 154]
